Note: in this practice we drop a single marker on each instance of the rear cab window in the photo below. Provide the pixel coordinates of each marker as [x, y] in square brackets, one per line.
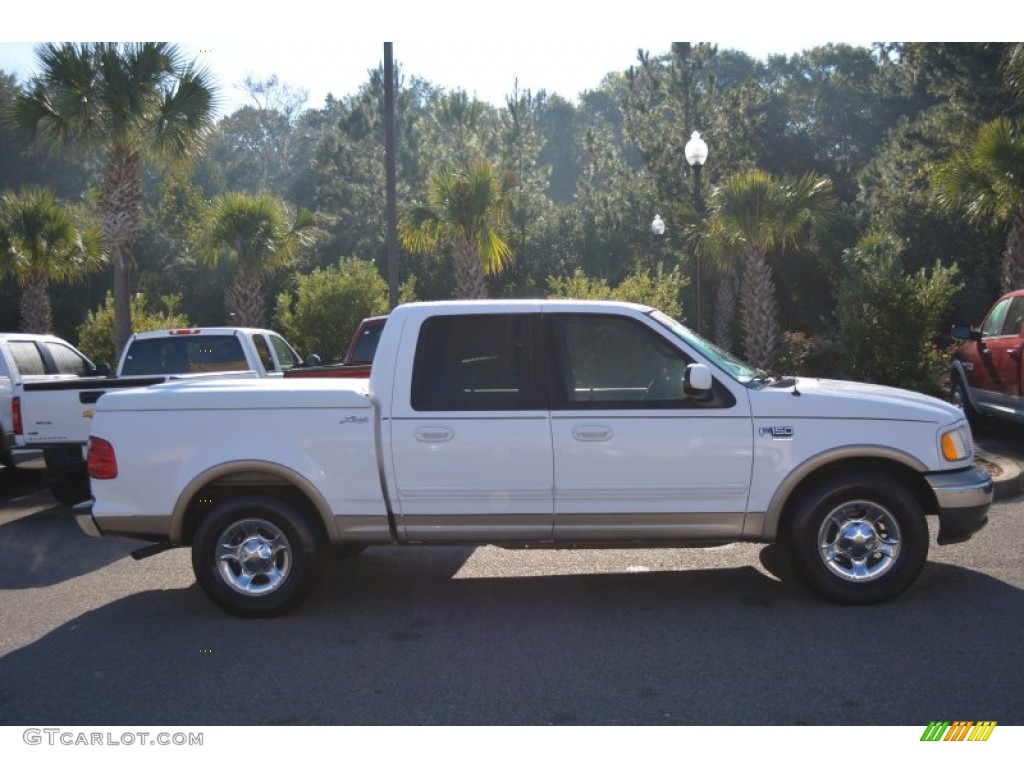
[185, 354]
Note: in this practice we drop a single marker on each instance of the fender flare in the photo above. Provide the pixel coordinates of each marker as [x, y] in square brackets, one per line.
[287, 475]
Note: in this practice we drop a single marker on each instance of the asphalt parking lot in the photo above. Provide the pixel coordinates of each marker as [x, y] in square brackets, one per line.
[467, 636]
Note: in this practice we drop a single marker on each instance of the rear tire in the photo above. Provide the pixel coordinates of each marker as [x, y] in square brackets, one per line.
[859, 538]
[257, 556]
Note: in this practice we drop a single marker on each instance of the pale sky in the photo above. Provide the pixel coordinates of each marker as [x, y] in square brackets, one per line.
[481, 47]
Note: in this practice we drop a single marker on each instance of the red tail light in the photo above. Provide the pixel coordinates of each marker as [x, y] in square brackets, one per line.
[16, 415]
[101, 459]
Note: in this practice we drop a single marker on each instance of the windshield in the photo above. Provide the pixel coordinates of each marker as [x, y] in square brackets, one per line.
[732, 365]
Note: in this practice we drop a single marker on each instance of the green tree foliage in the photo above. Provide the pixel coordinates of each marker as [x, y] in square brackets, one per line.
[261, 236]
[749, 217]
[888, 317]
[585, 176]
[658, 288]
[40, 243]
[464, 211]
[132, 101]
[96, 334]
[325, 307]
[986, 182]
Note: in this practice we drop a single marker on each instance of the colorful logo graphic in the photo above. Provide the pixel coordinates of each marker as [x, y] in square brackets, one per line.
[959, 730]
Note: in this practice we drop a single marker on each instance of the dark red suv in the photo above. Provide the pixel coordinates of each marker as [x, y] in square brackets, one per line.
[986, 378]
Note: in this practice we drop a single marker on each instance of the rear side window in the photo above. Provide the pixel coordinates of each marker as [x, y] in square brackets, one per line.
[67, 359]
[185, 354]
[27, 358]
[476, 363]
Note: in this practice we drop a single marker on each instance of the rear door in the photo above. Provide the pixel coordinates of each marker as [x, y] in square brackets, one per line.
[470, 438]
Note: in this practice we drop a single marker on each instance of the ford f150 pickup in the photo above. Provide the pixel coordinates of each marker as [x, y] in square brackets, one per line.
[53, 412]
[532, 423]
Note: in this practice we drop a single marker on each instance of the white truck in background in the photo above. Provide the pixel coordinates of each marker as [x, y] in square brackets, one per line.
[532, 423]
[48, 388]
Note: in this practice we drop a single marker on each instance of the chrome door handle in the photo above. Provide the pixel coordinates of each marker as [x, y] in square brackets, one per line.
[434, 434]
[592, 433]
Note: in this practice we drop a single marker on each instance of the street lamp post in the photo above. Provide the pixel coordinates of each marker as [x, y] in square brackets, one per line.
[696, 152]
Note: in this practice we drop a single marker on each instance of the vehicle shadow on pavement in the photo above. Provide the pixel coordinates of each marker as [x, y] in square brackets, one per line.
[394, 638]
[44, 548]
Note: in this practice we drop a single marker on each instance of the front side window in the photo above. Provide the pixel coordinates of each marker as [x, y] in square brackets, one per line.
[608, 361]
[476, 363]
[1014, 317]
[286, 356]
[67, 360]
[994, 322]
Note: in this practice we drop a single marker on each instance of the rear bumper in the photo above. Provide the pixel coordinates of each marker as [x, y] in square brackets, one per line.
[962, 498]
[84, 518]
[145, 527]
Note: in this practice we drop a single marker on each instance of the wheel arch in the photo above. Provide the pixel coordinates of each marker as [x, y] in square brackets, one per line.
[223, 481]
[877, 459]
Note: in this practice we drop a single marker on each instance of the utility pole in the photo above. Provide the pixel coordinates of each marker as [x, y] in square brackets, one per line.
[389, 170]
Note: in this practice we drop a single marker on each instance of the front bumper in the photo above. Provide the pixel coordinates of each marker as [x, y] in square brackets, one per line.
[962, 501]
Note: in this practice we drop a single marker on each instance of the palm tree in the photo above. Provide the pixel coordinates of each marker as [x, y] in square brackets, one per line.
[262, 236]
[986, 181]
[134, 101]
[462, 211]
[41, 243]
[751, 215]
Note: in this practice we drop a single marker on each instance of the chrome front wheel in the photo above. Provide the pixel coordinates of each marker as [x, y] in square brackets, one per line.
[857, 537]
[859, 541]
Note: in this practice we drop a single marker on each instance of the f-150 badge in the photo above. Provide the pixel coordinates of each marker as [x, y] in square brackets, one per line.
[776, 433]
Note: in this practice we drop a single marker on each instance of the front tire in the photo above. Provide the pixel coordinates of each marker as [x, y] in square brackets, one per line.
[858, 539]
[257, 556]
[962, 400]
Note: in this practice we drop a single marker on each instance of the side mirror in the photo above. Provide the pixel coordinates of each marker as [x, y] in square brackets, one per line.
[102, 369]
[698, 379]
[312, 360]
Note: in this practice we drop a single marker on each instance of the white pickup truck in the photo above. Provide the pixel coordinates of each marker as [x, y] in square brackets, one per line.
[50, 414]
[532, 423]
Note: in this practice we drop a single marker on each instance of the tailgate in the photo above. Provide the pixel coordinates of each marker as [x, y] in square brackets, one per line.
[59, 411]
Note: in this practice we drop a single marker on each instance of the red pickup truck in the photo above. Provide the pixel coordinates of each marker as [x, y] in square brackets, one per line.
[986, 378]
[358, 358]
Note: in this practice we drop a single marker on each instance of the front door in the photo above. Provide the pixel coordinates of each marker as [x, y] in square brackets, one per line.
[635, 454]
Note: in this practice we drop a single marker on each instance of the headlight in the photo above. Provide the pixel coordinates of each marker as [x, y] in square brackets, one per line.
[956, 444]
